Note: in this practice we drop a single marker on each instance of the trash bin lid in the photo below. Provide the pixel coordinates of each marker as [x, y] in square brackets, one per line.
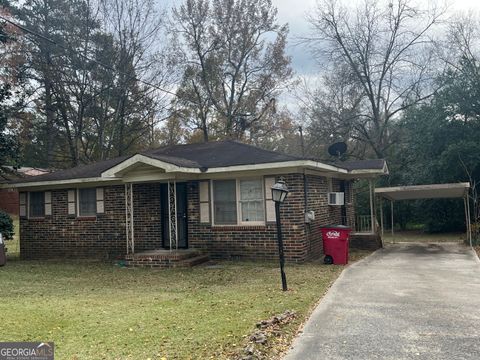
[345, 227]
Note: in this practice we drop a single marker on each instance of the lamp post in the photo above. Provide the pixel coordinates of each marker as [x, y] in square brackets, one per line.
[279, 194]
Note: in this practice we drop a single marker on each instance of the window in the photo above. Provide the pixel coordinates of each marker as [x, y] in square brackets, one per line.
[36, 204]
[251, 200]
[225, 202]
[238, 202]
[87, 202]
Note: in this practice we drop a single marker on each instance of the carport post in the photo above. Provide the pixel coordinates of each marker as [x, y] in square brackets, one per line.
[469, 225]
[381, 214]
[391, 211]
[466, 216]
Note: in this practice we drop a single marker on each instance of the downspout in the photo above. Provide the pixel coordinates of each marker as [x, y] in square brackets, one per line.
[343, 208]
[305, 192]
[305, 204]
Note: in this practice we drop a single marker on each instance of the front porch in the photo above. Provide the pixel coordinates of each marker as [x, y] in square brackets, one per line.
[365, 233]
[164, 258]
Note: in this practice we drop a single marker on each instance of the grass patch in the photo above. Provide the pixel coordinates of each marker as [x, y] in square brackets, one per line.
[13, 246]
[100, 311]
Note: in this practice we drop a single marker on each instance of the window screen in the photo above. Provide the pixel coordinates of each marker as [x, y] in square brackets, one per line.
[225, 202]
[37, 204]
[251, 200]
[87, 202]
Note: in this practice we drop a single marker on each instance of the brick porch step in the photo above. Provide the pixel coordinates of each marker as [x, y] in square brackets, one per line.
[164, 258]
[193, 261]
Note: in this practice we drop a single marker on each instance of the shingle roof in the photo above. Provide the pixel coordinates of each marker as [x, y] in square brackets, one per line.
[204, 155]
[201, 156]
[78, 172]
[217, 154]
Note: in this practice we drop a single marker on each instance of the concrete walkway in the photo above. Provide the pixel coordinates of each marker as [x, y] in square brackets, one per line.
[408, 301]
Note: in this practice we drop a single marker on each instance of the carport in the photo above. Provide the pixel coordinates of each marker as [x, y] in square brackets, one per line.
[433, 191]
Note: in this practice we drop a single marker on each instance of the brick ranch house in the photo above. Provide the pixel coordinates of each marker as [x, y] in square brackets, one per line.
[213, 198]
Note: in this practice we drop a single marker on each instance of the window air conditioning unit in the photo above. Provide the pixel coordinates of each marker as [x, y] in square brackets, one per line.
[336, 198]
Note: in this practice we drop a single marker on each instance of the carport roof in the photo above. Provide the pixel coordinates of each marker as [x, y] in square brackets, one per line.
[432, 191]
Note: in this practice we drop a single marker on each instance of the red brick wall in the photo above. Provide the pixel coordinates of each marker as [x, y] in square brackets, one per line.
[246, 242]
[301, 241]
[318, 202]
[317, 189]
[147, 216]
[104, 236]
[9, 201]
[61, 235]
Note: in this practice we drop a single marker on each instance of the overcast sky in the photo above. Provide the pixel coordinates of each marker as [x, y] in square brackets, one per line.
[294, 13]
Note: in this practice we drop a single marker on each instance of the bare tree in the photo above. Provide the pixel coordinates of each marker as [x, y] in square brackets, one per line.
[462, 45]
[138, 29]
[389, 54]
[331, 109]
[235, 62]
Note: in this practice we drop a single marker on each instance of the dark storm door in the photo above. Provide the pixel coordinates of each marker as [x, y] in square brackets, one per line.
[182, 216]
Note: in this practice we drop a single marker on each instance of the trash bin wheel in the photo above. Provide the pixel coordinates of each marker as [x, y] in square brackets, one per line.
[328, 260]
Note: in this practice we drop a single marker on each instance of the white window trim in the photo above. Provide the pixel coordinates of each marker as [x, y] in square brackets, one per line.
[78, 205]
[28, 206]
[238, 204]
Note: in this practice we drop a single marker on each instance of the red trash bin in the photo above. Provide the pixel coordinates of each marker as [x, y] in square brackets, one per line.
[335, 243]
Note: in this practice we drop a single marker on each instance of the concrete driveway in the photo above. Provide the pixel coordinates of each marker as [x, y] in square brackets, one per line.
[408, 301]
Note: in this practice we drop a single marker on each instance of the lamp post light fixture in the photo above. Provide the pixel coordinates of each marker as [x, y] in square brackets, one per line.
[279, 194]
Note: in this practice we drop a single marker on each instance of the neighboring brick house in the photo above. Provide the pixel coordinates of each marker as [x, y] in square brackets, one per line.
[214, 197]
[9, 197]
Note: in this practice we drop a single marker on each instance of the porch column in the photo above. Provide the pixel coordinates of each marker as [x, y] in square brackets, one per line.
[372, 207]
[172, 214]
[129, 218]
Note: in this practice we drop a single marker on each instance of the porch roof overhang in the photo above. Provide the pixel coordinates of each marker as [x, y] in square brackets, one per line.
[416, 192]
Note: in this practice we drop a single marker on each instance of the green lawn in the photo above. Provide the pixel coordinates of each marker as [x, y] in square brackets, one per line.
[13, 246]
[100, 311]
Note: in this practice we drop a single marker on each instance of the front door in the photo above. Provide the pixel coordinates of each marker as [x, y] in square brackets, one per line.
[182, 216]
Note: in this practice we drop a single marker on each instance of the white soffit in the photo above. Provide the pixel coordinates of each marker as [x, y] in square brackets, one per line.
[415, 192]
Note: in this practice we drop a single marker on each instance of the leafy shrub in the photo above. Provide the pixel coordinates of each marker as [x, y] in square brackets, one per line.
[6, 225]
